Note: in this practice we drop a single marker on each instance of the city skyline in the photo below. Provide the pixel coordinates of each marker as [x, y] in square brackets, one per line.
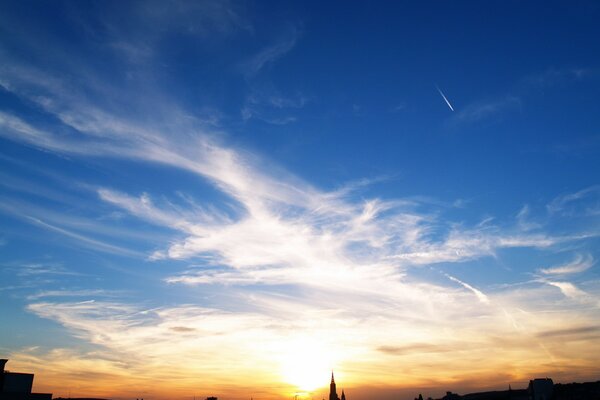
[240, 197]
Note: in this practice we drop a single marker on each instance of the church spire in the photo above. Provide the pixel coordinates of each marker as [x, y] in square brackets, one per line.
[332, 389]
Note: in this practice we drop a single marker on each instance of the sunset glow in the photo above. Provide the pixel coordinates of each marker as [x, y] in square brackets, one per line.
[304, 363]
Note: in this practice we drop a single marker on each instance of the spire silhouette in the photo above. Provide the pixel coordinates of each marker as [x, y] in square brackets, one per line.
[332, 389]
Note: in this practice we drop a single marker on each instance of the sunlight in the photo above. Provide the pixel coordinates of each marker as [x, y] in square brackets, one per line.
[306, 363]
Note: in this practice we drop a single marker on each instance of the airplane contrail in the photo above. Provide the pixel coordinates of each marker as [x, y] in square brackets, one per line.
[445, 99]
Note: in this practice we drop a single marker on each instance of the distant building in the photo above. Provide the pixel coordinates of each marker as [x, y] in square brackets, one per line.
[17, 386]
[538, 389]
[333, 391]
[451, 396]
[541, 389]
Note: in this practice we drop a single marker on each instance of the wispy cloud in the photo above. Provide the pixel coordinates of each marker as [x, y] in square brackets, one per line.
[568, 289]
[516, 98]
[399, 107]
[95, 293]
[556, 76]
[30, 269]
[480, 295]
[524, 219]
[570, 204]
[419, 348]
[484, 109]
[284, 227]
[403, 324]
[580, 263]
[269, 106]
[304, 247]
[593, 329]
[272, 53]
[88, 241]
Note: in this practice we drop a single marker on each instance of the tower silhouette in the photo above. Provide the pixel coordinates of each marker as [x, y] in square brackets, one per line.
[332, 389]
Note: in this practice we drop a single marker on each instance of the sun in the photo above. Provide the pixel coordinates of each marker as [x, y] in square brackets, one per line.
[306, 364]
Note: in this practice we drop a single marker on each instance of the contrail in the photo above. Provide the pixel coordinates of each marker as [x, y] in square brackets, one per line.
[445, 99]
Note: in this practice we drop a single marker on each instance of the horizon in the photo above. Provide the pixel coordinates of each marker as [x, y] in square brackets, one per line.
[241, 197]
[325, 392]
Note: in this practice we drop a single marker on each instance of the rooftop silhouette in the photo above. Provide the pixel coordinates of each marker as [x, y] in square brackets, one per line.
[18, 385]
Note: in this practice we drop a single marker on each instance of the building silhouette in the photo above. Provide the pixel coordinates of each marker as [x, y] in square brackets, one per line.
[538, 389]
[333, 390]
[17, 385]
[541, 389]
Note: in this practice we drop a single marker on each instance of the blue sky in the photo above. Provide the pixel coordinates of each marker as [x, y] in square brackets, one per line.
[286, 183]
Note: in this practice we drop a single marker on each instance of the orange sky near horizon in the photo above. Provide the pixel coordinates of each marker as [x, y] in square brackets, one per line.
[268, 372]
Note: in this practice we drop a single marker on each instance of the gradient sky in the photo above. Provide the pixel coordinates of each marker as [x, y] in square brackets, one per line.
[235, 198]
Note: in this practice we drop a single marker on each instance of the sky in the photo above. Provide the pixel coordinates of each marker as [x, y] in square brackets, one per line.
[236, 198]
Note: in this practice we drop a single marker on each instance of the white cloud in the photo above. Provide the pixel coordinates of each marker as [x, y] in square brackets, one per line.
[524, 220]
[566, 204]
[279, 230]
[365, 331]
[480, 295]
[580, 263]
[72, 293]
[284, 225]
[87, 241]
[568, 289]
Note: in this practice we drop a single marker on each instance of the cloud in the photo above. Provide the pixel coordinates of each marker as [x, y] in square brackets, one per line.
[577, 203]
[485, 109]
[399, 107]
[30, 269]
[15, 127]
[182, 329]
[90, 231]
[268, 105]
[582, 262]
[85, 240]
[73, 293]
[257, 345]
[251, 112]
[279, 101]
[271, 53]
[136, 36]
[418, 348]
[288, 252]
[284, 229]
[480, 295]
[222, 341]
[569, 290]
[272, 205]
[524, 221]
[516, 98]
[584, 330]
[557, 76]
